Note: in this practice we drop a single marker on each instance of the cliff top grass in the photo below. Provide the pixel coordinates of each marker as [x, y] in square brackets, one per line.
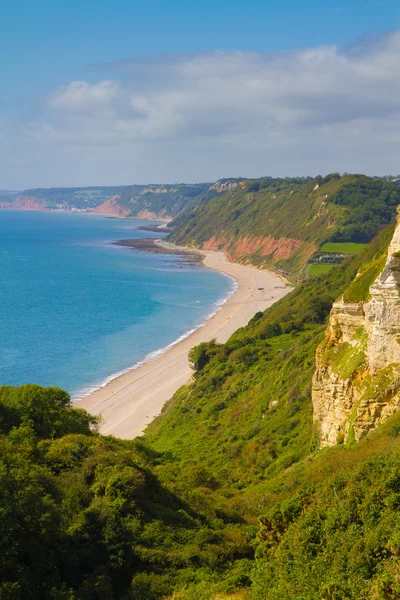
[370, 268]
[343, 247]
[319, 268]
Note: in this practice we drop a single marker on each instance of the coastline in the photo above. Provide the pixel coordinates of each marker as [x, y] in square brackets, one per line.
[131, 400]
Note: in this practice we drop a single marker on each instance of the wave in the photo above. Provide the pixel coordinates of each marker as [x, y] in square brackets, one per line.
[86, 391]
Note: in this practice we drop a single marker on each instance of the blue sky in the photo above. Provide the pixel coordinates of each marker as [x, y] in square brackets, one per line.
[102, 92]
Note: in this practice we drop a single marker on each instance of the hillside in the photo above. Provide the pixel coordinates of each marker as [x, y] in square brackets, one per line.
[243, 432]
[141, 201]
[179, 510]
[83, 517]
[282, 223]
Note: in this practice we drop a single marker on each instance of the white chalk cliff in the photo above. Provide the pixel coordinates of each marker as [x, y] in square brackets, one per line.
[356, 385]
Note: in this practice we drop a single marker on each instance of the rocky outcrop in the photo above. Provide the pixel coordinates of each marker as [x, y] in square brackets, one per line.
[356, 385]
[227, 185]
[383, 311]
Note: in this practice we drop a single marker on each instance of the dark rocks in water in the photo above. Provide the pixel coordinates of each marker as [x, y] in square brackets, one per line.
[149, 245]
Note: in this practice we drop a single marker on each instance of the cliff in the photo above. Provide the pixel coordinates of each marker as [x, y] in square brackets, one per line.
[154, 201]
[356, 385]
[282, 223]
[111, 207]
[23, 203]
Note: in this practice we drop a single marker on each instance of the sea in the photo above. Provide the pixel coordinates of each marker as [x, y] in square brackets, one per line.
[77, 310]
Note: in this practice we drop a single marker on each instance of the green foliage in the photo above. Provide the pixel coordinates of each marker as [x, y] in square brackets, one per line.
[282, 222]
[359, 289]
[341, 540]
[371, 203]
[345, 359]
[200, 355]
[239, 439]
[82, 516]
[47, 411]
[247, 415]
[163, 200]
[343, 247]
[319, 268]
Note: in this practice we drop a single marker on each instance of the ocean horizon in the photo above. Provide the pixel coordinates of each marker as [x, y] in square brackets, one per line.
[78, 310]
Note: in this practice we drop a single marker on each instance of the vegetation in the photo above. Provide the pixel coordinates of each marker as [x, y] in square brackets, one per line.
[176, 514]
[162, 200]
[337, 539]
[82, 516]
[358, 290]
[283, 222]
[343, 247]
[370, 203]
[319, 268]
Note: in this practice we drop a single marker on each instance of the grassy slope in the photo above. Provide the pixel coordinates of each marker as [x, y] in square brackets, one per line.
[239, 440]
[319, 268]
[170, 202]
[344, 247]
[293, 212]
[253, 397]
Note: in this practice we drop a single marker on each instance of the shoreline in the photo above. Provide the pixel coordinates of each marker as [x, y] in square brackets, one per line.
[151, 356]
[131, 400]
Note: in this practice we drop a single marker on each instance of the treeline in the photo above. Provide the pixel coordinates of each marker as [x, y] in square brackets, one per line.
[371, 205]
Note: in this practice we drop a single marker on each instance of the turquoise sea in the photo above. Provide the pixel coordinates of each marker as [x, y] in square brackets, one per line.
[76, 310]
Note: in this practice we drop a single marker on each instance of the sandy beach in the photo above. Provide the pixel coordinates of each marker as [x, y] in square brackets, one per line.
[131, 401]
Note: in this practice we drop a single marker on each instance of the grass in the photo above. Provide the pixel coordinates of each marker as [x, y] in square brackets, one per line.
[320, 268]
[359, 289]
[343, 247]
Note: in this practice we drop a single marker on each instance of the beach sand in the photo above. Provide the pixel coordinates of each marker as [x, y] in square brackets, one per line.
[131, 401]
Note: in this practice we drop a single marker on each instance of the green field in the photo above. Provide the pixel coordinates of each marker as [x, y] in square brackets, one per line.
[320, 268]
[343, 247]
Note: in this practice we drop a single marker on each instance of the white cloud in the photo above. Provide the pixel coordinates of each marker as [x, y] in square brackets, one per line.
[80, 96]
[229, 113]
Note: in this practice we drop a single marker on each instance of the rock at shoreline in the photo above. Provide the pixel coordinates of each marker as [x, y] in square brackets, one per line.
[188, 257]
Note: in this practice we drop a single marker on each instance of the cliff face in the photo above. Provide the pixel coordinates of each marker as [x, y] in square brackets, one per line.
[111, 207]
[356, 385]
[24, 203]
[243, 248]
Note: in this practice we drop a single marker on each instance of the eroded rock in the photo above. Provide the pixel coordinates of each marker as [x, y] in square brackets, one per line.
[356, 385]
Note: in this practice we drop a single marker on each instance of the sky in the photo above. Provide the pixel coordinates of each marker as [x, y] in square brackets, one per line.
[106, 93]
